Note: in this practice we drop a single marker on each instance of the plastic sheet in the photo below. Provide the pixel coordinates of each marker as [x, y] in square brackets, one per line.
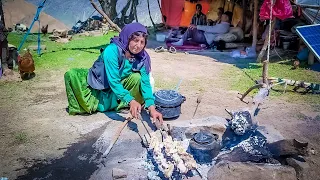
[282, 9]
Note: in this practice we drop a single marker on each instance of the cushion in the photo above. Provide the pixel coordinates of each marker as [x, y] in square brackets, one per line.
[238, 32]
[228, 37]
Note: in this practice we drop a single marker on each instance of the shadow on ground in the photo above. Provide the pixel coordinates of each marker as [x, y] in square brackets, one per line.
[78, 162]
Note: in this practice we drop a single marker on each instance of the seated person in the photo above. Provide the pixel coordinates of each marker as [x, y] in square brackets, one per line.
[112, 84]
[249, 22]
[199, 18]
[218, 20]
[205, 34]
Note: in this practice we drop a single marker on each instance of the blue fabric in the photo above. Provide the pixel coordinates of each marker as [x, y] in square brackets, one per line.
[303, 54]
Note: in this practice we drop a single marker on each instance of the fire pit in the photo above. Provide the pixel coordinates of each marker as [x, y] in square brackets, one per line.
[204, 146]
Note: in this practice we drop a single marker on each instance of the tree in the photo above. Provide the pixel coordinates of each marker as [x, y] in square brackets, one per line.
[109, 7]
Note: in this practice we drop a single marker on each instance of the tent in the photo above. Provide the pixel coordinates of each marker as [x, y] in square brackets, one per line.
[179, 12]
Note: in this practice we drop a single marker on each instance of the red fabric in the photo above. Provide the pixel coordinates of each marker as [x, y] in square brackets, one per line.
[172, 9]
[189, 46]
[282, 9]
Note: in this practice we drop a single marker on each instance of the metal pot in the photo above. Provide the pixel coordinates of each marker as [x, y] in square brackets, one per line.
[204, 146]
[168, 103]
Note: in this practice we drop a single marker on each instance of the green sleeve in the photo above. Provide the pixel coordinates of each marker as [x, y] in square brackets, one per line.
[110, 57]
[146, 89]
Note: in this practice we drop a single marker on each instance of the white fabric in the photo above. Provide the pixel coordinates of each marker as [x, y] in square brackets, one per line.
[210, 32]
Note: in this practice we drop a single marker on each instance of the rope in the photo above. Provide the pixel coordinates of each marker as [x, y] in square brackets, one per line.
[39, 48]
[270, 29]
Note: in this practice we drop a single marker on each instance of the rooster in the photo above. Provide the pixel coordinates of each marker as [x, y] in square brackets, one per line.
[44, 29]
[26, 65]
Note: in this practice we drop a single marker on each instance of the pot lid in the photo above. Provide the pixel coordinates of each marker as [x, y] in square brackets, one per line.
[204, 137]
[169, 96]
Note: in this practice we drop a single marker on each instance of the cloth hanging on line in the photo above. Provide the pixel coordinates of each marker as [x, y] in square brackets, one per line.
[282, 9]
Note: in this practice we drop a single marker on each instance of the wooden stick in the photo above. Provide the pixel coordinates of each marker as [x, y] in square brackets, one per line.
[115, 137]
[255, 24]
[105, 16]
[250, 89]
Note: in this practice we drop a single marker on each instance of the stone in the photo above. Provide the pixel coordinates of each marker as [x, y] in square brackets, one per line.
[193, 178]
[60, 33]
[35, 47]
[118, 173]
[250, 171]
[288, 147]
[62, 40]
[53, 38]
[301, 166]
[272, 135]
[181, 130]
[95, 33]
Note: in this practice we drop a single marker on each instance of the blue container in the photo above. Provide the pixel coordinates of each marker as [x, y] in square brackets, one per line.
[168, 103]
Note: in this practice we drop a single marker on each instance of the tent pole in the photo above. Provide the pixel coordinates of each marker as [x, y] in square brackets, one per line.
[244, 8]
[255, 23]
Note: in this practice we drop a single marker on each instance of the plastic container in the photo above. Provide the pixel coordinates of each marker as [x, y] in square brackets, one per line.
[160, 37]
[286, 45]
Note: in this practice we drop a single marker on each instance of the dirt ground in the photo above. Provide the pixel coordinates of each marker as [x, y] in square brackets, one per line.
[35, 126]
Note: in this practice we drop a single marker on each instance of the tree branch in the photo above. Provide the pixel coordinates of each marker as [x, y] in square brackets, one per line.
[105, 16]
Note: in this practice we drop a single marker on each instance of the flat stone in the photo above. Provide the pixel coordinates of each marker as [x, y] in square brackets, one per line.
[270, 133]
[185, 129]
[35, 47]
[250, 171]
[301, 166]
[62, 40]
[119, 173]
[288, 147]
[95, 33]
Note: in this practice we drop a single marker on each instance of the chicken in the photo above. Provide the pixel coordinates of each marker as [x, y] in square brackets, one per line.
[26, 65]
[44, 29]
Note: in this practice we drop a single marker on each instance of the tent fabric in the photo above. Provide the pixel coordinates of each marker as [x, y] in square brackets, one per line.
[179, 13]
[172, 10]
[237, 10]
[190, 9]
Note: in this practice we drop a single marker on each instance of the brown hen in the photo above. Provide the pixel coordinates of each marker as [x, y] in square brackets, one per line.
[26, 65]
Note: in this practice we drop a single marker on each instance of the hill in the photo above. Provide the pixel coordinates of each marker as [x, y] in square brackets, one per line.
[20, 11]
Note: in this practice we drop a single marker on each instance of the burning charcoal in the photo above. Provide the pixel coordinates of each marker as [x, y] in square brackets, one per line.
[253, 149]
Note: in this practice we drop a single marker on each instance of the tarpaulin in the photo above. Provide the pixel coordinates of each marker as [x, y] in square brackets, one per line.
[172, 10]
[282, 9]
[190, 9]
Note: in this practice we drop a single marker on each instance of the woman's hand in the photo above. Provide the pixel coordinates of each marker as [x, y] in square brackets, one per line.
[135, 108]
[155, 115]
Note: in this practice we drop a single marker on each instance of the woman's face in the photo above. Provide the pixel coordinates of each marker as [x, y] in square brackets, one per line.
[137, 44]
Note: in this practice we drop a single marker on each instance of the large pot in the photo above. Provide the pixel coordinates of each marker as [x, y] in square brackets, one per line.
[168, 103]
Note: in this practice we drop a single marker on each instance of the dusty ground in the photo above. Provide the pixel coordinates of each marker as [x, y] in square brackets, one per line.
[36, 128]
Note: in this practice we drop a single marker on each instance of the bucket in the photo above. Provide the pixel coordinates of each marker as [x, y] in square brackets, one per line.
[285, 45]
[160, 37]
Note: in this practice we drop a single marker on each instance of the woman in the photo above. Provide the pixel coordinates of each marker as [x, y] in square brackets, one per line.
[117, 80]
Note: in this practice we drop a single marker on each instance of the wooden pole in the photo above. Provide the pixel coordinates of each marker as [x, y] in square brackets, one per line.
[265, 45]
[255, 23]
[105, 16]
[150, 15]
[244, 8]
